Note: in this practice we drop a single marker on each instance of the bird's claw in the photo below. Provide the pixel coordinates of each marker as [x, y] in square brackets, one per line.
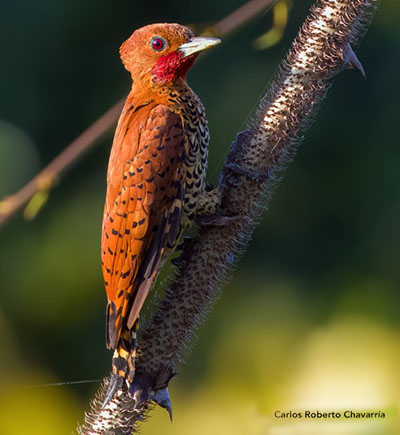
[215, 219]
[177, 261]
[181, 244]
[256, 176]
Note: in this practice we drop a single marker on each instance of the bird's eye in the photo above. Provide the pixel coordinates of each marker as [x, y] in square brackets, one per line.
[157, 43]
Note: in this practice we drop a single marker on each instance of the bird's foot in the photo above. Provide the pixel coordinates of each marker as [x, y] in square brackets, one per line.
[181, 244]
[178, 260]
[261, 177]
[215, 219]
[247, 169]
[208, 210]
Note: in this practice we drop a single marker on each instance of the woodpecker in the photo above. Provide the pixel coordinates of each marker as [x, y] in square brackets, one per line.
[156, 180]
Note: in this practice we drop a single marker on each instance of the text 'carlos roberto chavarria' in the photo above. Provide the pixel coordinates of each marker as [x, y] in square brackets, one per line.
[327, 415]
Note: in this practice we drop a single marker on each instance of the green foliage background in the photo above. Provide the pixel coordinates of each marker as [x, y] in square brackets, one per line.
[310, 319]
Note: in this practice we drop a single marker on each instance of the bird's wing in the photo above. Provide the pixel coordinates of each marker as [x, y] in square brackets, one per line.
[143, 209]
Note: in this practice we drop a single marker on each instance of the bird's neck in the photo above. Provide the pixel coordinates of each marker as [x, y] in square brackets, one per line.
[168, 94]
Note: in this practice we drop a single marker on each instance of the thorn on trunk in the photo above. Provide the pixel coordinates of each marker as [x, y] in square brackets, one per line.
[161, 397]
[350, 59]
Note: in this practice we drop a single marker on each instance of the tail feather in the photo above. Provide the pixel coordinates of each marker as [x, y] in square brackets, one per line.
[123, 362]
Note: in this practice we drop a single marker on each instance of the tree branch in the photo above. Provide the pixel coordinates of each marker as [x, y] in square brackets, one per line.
[46, 179]
[257, 159]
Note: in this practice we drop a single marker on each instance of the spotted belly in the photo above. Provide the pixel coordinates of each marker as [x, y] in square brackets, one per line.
[189, 106]
[196, 157]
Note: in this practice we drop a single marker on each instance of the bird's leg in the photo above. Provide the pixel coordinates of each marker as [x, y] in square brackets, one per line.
[255, 176]
[243, 140]
[208, 209]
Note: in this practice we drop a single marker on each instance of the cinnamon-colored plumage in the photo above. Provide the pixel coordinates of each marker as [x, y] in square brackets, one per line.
[156, 176]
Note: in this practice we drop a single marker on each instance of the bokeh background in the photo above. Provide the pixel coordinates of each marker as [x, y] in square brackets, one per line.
[310, 319]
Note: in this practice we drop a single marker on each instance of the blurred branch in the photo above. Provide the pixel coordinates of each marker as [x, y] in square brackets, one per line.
[280, 17]
[255, 164]
[46, 179]
[241, 15]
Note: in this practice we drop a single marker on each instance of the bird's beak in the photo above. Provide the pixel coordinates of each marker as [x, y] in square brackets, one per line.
[195, 45]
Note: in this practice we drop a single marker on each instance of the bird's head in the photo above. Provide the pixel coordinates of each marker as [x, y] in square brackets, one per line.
[162, 53]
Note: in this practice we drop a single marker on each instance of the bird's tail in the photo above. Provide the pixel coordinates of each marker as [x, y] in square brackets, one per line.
[123, 362]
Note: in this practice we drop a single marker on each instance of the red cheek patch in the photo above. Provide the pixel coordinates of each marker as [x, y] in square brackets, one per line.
[172, 66]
